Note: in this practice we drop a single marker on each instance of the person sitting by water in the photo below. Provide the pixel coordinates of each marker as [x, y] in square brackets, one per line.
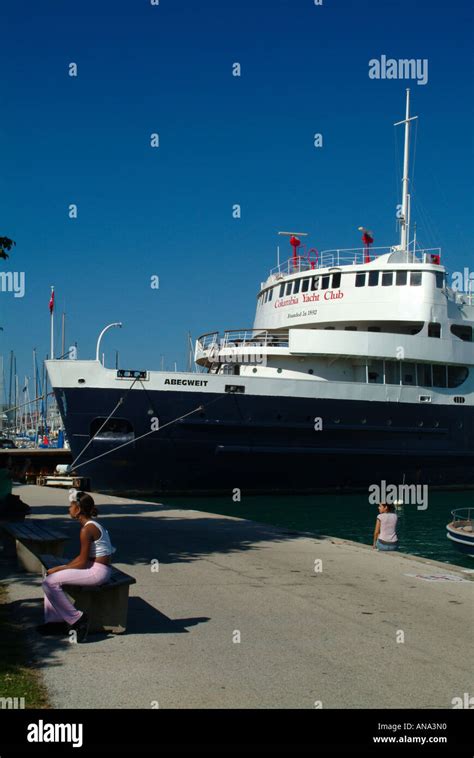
[90, 567]
[385, 533]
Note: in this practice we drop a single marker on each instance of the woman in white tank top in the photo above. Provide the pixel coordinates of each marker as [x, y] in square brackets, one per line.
[90, 567]
[385, 533]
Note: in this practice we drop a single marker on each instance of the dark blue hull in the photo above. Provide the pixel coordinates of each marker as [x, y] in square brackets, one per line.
[264, 444]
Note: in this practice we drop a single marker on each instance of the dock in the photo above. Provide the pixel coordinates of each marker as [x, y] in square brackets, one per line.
[231, 613]
[34, 461]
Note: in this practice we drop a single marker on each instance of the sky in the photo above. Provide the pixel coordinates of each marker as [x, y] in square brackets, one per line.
[224, 140]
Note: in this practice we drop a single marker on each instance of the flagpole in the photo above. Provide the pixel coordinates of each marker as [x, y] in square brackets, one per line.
[51, 308]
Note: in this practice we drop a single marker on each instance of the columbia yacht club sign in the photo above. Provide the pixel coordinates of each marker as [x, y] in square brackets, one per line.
[315, 297]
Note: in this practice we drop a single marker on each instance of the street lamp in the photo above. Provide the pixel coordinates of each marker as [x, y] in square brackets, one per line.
[116, 323]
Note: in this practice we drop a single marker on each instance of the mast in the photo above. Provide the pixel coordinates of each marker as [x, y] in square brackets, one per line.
[35, 374]
[63, 333]
[405, 219]
[51, 311]
[10, 387]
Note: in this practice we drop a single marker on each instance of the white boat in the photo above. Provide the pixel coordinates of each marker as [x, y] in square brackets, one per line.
[359, 367]
[460, 530]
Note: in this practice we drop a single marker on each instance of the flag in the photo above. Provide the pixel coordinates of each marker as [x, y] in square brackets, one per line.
[51, 303]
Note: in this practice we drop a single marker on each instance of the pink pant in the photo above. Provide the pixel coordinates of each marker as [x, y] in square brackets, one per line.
[57, 607]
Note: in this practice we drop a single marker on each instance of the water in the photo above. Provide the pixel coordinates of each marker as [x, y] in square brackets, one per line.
[348, 516]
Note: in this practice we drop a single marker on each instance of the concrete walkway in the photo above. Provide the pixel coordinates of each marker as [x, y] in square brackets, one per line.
[305, 636]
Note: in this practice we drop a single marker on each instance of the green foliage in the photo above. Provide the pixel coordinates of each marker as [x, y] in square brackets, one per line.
[5, 244]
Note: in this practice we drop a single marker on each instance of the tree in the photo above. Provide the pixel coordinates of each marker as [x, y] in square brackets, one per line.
[5, 244]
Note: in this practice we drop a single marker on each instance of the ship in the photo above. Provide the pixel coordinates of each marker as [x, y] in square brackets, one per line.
[359, 367]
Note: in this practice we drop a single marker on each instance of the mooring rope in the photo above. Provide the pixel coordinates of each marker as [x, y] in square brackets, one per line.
[121, 400]
[135, 439]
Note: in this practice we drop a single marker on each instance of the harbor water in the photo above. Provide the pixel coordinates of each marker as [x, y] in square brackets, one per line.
[352, 517]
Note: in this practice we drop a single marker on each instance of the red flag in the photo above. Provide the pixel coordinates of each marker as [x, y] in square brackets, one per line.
[51, 303]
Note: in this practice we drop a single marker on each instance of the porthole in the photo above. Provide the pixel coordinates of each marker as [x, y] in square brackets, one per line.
[436, 424]
[420, 423]
[81, 381]
[279, 370]
[310, 371]
[389, 422]
[337, 420]
[254, 370]
[363, 421]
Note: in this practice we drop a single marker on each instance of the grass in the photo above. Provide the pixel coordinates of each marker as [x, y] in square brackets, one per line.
[17, 677]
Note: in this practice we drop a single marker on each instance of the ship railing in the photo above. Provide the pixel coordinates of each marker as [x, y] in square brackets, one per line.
[207, 341]
[348, 257]
[255, 338]
[462, 517]
[213, 342]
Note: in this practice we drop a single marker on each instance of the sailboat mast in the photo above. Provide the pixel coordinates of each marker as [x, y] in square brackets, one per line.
[63, 334]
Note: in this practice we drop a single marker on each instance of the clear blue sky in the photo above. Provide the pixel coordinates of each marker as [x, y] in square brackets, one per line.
[223, 140]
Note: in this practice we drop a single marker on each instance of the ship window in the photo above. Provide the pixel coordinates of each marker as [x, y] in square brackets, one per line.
[265, 296]
[350, 328]
[462, 331]
[457, 375]
[459, 399]
[325, 282]
[288, 288]
[408, 373]
[330, 327]
[434, 330]
[305, 285]
[439, 279]
[373, 278]
[360, 279]
[439, 375]
[424, 375]
[112, 429]
[336, 280]
[270, 294]
[373, 329]
[235, 388]
[315, 283]
[387, 278]
[282, 290]
[296, 288]
[401, 278]
[375, 372]
[392, 372]
[415, 278]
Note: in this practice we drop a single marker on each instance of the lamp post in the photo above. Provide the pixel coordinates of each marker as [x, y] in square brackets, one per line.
[116, 323]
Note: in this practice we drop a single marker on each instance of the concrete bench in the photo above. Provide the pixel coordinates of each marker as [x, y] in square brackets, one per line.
[105, 604]
[32, 537]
